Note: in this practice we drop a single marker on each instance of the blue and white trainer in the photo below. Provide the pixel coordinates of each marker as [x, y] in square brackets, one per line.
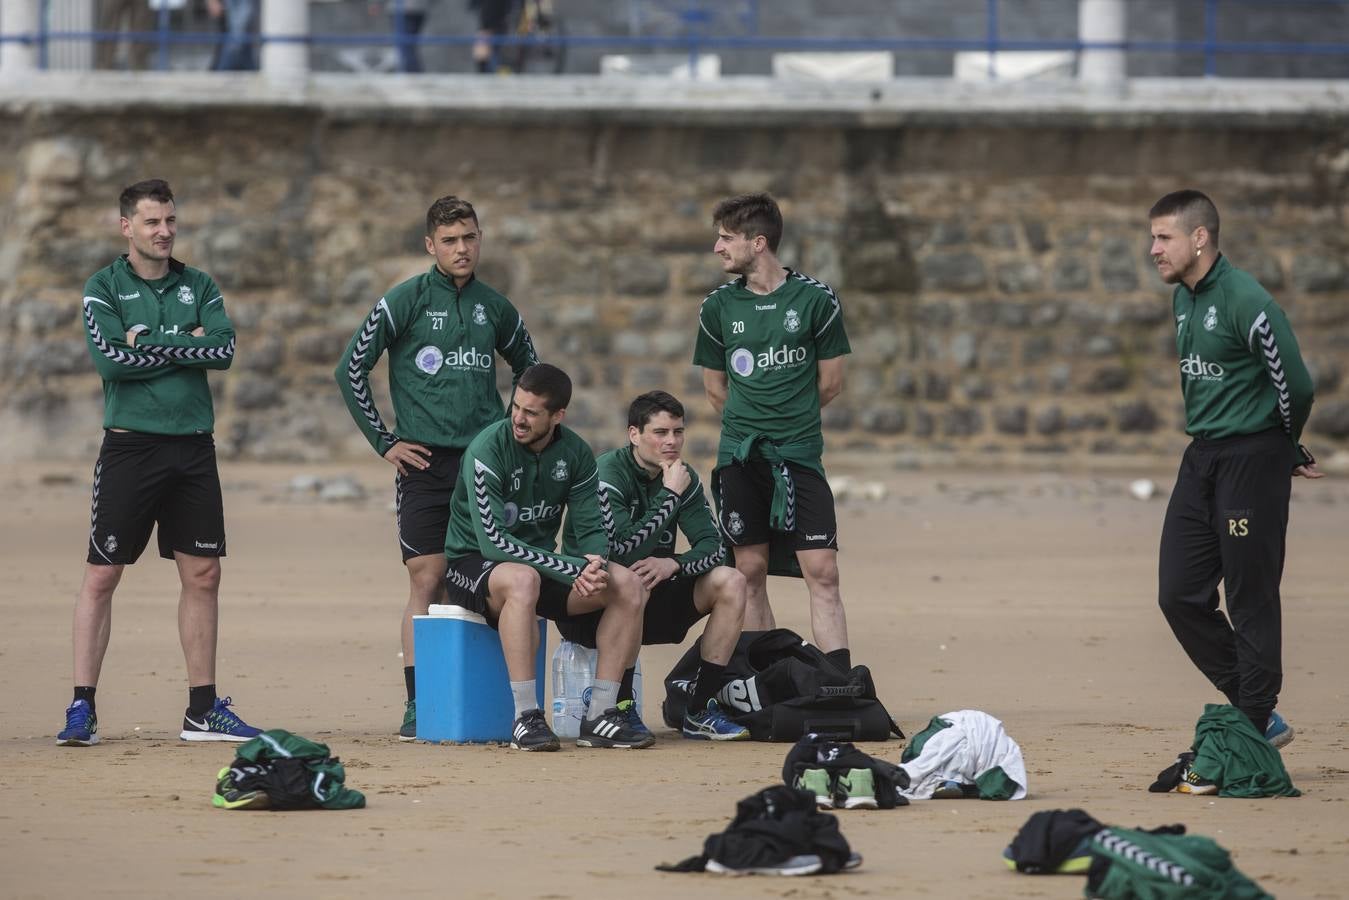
[81, 726]
[219, 724]
[711, 724]
[1278, 732]
[629, 710]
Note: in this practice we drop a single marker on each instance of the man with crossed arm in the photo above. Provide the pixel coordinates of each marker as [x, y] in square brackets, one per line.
[154, 327]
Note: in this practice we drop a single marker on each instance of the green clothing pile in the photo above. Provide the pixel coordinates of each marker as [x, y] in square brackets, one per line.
[1229, 752]
[294, 772]
[1129, 864]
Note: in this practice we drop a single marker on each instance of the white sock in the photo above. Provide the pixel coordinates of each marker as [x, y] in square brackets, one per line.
[603, 696]
[526, 696]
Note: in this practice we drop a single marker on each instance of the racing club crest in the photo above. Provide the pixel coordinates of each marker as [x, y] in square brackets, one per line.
[479, 314]
[111, 543]
[735, 525]
[1211, 320]
[185, 295]
[559, 472]
[793, 321]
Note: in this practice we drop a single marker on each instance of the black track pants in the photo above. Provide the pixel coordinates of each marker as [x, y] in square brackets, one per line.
[1227, 521]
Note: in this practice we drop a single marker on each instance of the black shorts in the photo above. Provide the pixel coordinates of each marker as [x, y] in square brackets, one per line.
[422, 503]
[466, 586]
[745, 498]
[670, 613]
[144, 479]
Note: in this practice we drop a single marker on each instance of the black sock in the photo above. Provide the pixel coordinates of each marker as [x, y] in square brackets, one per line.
[625, 686]
[710, 677]
[1259, 720]
[200, 699]
[86, 694]
[841, 658]
[410, 678]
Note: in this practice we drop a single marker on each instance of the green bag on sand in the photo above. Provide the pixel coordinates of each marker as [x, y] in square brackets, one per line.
[280, 770]
[1128, 864]
[1229, 752]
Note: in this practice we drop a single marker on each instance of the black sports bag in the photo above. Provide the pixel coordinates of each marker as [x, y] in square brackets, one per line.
[780, 688]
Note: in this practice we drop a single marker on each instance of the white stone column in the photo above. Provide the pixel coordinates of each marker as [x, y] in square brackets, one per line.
[285, 18]
[18, 17]
[70, 15]
[1102, 21]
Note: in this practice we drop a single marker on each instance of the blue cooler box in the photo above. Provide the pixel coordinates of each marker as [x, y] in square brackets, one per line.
[463, 690]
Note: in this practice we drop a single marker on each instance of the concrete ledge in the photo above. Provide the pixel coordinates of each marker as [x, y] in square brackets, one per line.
[744, 100]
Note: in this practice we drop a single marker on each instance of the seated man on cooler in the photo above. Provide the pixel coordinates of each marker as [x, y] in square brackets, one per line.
[517, 477]
[646, 493]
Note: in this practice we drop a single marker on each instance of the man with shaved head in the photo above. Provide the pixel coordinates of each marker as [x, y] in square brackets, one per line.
[1247, 396]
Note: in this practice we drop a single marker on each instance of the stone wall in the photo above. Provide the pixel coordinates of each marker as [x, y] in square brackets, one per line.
[994, 272]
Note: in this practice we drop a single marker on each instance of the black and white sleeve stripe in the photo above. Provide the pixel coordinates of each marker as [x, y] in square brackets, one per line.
[1168, 869]
[1261, 340]
[833, 299]
[654, 523]
[704, 564]
[502, 542]
[198, 353]
[143, 359]
[357, 377]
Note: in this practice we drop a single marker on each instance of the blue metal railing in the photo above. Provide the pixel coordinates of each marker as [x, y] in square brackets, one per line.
[696, 38]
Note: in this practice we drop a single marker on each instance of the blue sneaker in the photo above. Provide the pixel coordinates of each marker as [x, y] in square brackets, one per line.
[629, 709]
[1278, 732]
[81, 726]
[219, 724]
[712, 724]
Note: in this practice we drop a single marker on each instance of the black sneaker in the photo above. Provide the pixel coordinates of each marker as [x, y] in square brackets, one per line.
[531, 732]
[613, 730]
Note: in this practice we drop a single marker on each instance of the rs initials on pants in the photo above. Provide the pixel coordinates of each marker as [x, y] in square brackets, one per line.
[1238, 527]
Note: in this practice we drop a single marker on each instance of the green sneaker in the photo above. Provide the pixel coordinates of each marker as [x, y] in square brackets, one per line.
[816, 781]
[857, 790]
[227, 796]
[409, 730]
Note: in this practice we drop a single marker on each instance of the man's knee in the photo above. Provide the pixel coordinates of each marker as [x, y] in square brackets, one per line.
[200, 573]
[515, 585]
[626, 590]
[753, 566]
[101, 581]
[728, 587]
[426, 574]
[820, 568]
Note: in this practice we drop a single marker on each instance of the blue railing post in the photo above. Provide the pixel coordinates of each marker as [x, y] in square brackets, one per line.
[162, 38]
[42, 30]
[400, 35]
[1210, 37]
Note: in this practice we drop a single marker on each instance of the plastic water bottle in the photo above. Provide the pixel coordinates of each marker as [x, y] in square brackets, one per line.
[573, 675]
[573, 678]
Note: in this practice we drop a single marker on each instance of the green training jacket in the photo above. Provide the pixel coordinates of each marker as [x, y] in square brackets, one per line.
[159, 385]
[641, 516]
[508, 503]
[442, 343]
[1240, 368]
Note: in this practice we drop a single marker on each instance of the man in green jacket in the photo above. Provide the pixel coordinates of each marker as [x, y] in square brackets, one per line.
[772, 346]
[154, 327]
[1247, 395]
[647, 494]
[442, 331]
[518, 478]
